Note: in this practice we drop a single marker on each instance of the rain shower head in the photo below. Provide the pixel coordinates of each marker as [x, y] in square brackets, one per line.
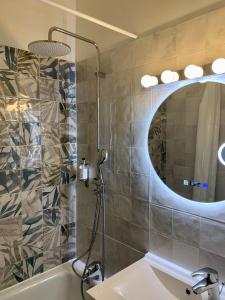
[46, 48]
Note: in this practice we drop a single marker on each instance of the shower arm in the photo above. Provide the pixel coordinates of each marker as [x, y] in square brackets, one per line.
[84, 39]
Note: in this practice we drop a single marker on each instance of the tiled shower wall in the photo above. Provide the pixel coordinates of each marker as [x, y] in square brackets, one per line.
[37, 164]
[142, 214]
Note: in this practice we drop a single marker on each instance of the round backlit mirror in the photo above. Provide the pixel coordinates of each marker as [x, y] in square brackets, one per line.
[187, 142]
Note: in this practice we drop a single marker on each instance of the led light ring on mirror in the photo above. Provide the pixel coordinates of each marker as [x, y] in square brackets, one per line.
[221, 148]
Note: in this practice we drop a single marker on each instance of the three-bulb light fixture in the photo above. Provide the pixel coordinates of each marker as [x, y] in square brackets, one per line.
[190, 72]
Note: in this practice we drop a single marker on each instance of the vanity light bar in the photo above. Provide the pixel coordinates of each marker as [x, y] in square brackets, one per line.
[190, 72]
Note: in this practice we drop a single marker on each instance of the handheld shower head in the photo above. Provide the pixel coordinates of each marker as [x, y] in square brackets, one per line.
[47, 48]
[102, 156]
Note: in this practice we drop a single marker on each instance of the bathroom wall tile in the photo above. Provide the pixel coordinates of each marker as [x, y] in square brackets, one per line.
[8, 84]
[138, 161]
[27, 63]
[49, 67]
[68, 133]
[67, 113]
[9, 109]
[30, 157]
[161, 220]
[68, 152]
[212, 237]
[10, 254]
[10, 275]
[33, 266]
[9, 182]
[8, 58]
[67, 90]
[186, 228]
[49, 89]
[31, 134]
[67, 70]
[27, 87]
[49, 134]
[10, 230]
[49, 112]
[9, 158]
[68, 173]
[51, 259]
[10, 206]
[30, 179]
[51, 155]
[10, 134]
[122, 158]
[140, 186]
[51, 217]
[51, 197]
[121, 84]
[67, 252]
[32, 235]
[121, 134]
[160, 245]
[51, 238]
[68, 234]
[31, 202]
[29, 110]
[50, 175]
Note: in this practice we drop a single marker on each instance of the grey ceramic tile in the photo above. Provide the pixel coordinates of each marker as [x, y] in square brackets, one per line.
[160, 245]
[140, 186]
[49, 67]
[186, 228]
[161, 220]
[212, 237]
[28, 63]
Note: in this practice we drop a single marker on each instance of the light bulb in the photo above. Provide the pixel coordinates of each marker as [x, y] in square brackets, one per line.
[218, 66]
[147, 81]
[193, 71]
[169, 76]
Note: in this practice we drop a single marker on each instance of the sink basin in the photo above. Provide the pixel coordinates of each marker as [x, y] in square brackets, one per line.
[151, 278]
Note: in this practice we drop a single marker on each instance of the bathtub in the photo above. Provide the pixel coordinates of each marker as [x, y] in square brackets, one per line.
[59, 283]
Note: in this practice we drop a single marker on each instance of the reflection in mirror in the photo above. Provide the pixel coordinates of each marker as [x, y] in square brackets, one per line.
[187, 142]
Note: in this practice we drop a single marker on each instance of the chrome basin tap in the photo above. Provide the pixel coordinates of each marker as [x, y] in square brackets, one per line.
[210, 283]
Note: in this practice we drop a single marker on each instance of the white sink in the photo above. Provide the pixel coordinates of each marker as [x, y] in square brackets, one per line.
[151, 278]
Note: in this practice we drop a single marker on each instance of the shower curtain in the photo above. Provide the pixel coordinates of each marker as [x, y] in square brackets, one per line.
[207, 143]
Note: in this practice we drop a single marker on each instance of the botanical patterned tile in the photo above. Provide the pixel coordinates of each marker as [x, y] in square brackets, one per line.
[49, 112]
[33, 234]
[31, 202]
[68, 195]
[29, 110]
[10, 230]
[33, 266]
[68, 234]
[67, 70]
[51, 259]
[9, 182]
[51, 197]
[30, 157]
[67, 91]
[9, 158]
[8, 84]
[27, 87]
[30, 179]
[10, 134]
[51, 237]
[68, 214]
[8, 58]
[27, 63]
[68, 252]
[51, 155]
[49, 89]
[11, 275]
[68, 152]
[49, 67]
[10, 253]
[50, 134]
[9, 109]
[10, 206]
[67, 113]
[51, 218]
[31, 134]
[50, 175]
[68, 173]
[68, 133]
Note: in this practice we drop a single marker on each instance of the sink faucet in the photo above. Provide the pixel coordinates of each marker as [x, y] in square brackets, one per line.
[210, 283]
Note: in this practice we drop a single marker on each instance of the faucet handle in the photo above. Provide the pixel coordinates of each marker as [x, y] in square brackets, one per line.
[207, 272]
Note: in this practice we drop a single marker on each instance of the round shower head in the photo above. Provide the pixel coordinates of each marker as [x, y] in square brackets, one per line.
[46, 48]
